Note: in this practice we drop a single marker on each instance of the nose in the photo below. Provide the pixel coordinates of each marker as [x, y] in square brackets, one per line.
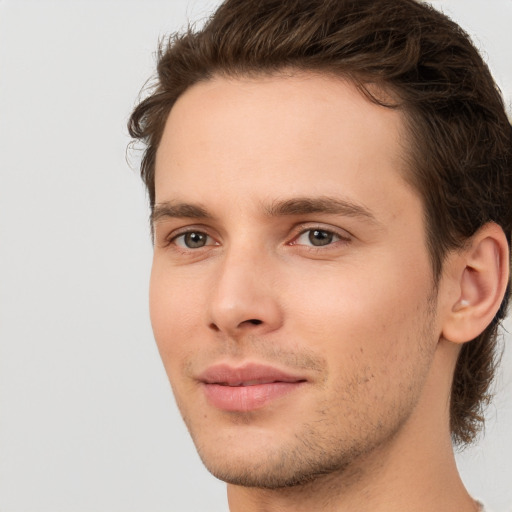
[244, 297]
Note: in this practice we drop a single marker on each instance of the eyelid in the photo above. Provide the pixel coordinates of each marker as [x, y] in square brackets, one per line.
[179, 241]
[170, 236]
[308, 243]
[343, 234]
[300, 229]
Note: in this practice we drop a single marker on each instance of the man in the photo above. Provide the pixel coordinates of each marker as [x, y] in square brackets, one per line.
[330, 185]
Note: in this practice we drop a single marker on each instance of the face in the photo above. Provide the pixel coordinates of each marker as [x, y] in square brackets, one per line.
[291, 293]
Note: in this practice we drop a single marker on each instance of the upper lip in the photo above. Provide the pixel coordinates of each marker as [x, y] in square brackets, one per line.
[246, 375]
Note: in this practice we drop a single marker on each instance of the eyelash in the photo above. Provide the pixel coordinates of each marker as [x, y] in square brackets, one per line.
[171, 239]
[191, 232]
[338, 238]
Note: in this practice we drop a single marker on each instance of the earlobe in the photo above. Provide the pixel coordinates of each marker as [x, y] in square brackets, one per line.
[482, 277]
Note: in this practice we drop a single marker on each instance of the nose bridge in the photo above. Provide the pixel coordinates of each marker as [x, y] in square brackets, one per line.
[243, 296]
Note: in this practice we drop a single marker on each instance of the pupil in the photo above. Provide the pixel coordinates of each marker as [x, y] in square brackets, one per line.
[318, 237]
[195, 240]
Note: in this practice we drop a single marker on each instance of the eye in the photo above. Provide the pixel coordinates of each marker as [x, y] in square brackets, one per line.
[317, 237]
[193, 240]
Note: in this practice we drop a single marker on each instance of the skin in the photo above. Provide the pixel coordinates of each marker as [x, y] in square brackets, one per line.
[359, 318]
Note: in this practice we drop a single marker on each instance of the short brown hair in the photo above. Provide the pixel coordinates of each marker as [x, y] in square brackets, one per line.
[459, 137]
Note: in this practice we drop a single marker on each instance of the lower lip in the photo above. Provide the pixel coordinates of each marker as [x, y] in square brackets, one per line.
[247, 398]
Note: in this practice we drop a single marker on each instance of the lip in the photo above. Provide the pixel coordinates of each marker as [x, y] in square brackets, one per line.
[248, 387]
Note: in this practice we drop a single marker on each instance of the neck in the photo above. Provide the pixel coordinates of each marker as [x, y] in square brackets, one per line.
[414, 470]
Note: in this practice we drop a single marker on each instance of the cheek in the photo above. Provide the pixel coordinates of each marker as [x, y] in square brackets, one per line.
[174, 307]
[362, 309]
[377, 340]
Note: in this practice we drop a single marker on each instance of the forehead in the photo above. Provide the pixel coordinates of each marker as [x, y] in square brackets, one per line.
[284, 135]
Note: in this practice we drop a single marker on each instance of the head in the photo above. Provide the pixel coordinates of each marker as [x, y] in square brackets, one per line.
[421, 72]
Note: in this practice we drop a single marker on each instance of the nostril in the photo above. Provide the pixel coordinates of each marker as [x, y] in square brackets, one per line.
[246, 323]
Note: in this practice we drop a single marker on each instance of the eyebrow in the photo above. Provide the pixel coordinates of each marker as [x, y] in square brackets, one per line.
[278, 208]
[168, 209]
[326, 205]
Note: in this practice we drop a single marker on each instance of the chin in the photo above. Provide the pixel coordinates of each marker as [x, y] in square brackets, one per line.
[270, 475]
[277, 465]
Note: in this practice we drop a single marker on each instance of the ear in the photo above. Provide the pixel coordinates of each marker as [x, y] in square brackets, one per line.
[479, 275]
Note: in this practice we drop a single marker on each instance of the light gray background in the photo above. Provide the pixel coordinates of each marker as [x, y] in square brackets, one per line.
[87, 420]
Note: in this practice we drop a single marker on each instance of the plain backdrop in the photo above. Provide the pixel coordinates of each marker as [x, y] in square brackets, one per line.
[87, 419]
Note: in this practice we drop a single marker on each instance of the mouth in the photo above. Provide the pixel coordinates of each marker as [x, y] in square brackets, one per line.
[246, 383]
[247, 388]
